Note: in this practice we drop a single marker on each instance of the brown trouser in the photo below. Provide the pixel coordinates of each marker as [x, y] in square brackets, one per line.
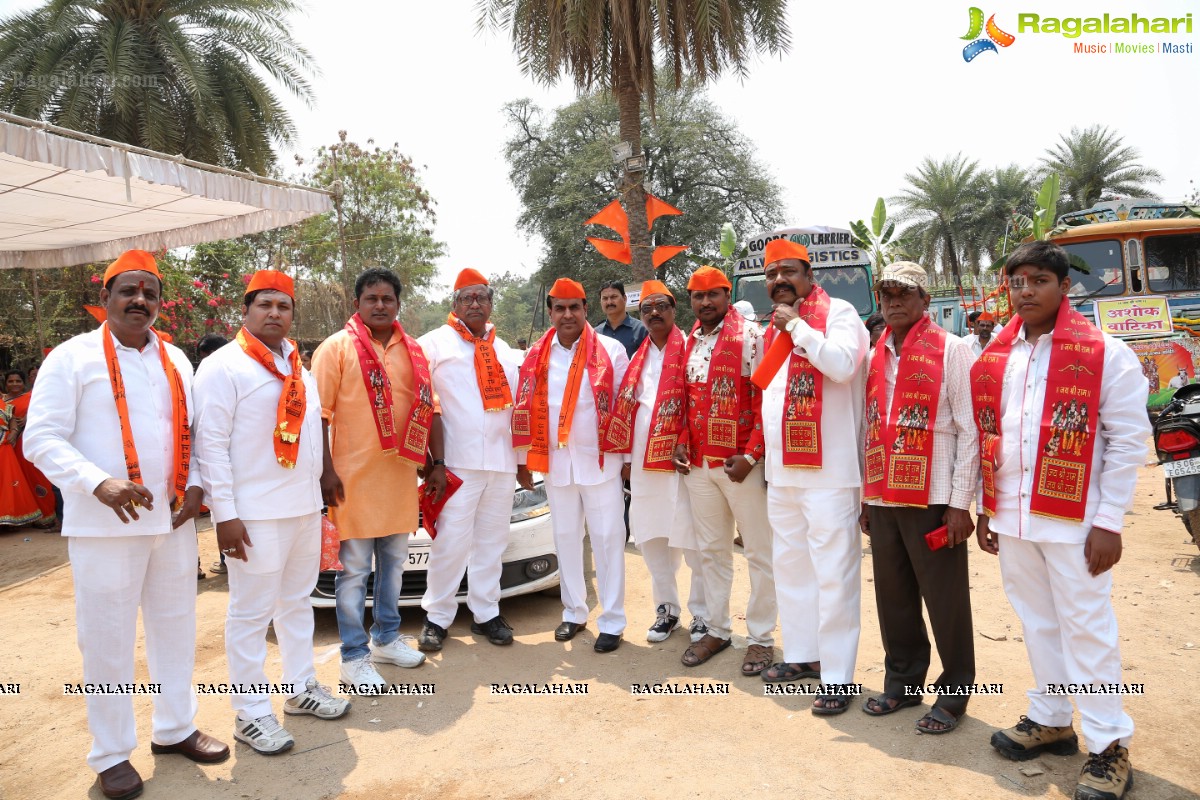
[907, 572]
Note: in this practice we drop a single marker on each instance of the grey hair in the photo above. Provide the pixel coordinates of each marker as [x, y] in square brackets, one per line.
[454, 297]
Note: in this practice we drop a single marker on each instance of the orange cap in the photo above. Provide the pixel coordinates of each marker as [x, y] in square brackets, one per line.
[469, 277]
[782, 248]
[987, 316]
[272, 279]
[707, 278]
[655, 287]
[131, 261]
[567, 289]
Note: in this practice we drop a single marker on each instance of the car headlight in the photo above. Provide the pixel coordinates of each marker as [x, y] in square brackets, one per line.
[528, 504]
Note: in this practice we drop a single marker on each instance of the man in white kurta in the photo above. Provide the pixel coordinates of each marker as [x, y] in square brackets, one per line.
[267, 514]
[660, 515]
[814, 509]
[1057, 573]
[127, 547]
[582, 491]
[473, 526]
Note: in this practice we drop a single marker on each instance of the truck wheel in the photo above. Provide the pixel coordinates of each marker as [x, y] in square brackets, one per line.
[1191, 521]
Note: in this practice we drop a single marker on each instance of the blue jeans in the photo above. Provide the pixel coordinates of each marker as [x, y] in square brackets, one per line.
[350, 590]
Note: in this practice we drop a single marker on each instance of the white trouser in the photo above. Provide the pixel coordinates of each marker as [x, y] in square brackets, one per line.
[662, 561]
[113, 576]
[272, 587]
[602, 506]
[472, 536]
[818, 559]
[1070, 634]
[716, 503]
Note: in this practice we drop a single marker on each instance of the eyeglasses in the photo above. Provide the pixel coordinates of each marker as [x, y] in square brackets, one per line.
[658, 307]
[474, 300]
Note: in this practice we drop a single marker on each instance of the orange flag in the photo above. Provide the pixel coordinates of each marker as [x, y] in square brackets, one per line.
[617, 251]
[656, 208]
[98, 312]
[665, 252]
[612, 216]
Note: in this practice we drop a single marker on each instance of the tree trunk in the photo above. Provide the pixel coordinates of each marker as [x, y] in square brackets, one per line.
[633, 198]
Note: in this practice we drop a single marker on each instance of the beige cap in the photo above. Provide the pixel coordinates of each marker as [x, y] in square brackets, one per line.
[905, 273]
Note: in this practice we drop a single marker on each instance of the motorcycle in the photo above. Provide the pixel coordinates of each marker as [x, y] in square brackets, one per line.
[1177, 444]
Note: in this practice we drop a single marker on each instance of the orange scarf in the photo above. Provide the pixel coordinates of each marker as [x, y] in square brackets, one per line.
[289, 416]
[180, 430]
[667, 415]
[1070, 414]
[530, 423]
[900, 437]
[489, 375]
[413, 439]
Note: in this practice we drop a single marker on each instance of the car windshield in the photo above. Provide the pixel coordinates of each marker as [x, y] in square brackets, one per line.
[852, 284]
[1102, 272]
[1173, 262]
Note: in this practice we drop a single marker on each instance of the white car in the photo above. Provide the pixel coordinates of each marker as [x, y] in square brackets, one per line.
[530, 563]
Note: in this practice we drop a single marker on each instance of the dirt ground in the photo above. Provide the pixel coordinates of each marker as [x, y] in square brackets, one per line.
[465, 742]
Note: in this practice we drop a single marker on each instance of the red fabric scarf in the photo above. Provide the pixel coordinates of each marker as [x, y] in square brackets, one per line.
[530, 423]
[413, 439]
[900, 441]
[1070, 414]
[721, 411]
[667, 415]
[805, 387]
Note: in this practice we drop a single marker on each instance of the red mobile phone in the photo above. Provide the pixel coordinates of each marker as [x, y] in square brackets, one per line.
[937, 539]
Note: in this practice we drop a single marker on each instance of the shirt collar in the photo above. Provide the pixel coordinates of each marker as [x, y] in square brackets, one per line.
[151, 346]
[700, 334]
[559, 345]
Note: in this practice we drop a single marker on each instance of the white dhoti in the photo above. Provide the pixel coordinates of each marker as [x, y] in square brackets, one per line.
[716, 503]
[273, 586]
[1070, 634]
[114, 575]
[472, 535]
[602, 506]
[660, 524]
[818, 558]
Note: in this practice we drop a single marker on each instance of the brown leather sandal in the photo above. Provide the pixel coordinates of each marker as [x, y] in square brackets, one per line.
[758, 657]
[703, 650]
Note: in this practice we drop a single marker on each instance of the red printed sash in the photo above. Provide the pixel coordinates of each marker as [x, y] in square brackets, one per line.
[413, 439]
[666, 418]
[715, 407]
[900, 444]
[804, 390]
[1070, 414]
[530, 421]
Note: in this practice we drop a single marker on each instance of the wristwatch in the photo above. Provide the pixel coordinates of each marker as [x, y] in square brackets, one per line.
[750, 458]
[439, 462]
[791, 326]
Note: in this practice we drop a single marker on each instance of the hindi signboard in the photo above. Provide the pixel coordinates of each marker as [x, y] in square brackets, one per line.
[1129, 317]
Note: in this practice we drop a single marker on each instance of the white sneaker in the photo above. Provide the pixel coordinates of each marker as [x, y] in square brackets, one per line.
[264, 734]
[316, 700]
[398, 652]
[362, 675]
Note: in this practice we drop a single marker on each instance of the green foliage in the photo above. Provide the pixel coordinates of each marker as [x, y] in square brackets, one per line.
[698, 161]
[1095, 163]
[186, 77]
[1047, 201]
[877, 239]
[519, 308]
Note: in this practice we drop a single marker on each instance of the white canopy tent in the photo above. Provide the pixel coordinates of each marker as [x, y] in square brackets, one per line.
[69, 198]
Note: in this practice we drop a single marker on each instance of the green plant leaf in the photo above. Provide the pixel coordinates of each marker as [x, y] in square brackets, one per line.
[879, 217]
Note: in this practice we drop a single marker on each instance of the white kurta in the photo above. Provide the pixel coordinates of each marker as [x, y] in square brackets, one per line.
[659, 505]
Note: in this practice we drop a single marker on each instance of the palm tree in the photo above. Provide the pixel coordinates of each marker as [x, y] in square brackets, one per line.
[177, 76]
[943, 202]
[614, 43]
[1094, 161]
[1007, 191]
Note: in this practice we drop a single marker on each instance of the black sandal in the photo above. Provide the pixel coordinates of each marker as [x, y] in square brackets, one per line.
[883, 706]
[784, 671]
[833, 704]
[940, 716]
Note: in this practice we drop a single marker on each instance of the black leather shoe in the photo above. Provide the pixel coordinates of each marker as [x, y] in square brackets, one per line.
[607, 642]
[566, 631]
[497, 630]
[431, 638]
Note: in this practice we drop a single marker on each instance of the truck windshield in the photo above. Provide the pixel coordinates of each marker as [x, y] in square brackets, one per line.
[1173, 262]
[852, 284]
[1105, 274]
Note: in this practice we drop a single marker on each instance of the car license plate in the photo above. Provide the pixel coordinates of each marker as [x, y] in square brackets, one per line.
[1177, 469]
[419, 559]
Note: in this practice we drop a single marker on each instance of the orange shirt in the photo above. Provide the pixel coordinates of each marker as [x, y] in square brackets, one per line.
[381, 490]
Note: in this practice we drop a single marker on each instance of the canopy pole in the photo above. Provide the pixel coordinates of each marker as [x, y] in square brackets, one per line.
[37, 315]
